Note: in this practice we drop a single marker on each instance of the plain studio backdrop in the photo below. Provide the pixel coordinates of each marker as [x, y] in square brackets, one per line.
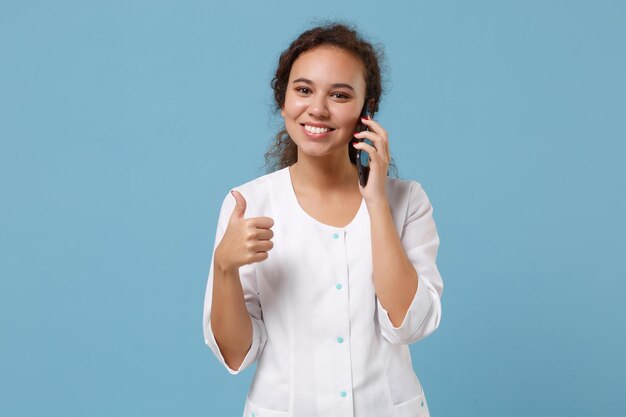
[123, 125]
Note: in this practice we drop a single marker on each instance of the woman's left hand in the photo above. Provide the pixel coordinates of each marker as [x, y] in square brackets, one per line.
[375, 189]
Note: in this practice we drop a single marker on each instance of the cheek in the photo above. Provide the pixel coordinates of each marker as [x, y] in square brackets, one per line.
[294, 106]
[348, 118]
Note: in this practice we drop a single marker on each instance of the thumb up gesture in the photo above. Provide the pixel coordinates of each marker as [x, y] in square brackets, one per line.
[245, 241]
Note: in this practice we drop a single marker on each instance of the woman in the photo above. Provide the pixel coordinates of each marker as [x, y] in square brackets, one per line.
[325, 282]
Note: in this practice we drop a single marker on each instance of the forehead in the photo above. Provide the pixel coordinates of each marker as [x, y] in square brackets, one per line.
[328, 64]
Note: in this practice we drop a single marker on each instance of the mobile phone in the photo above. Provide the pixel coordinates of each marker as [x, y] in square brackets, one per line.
[362, 157]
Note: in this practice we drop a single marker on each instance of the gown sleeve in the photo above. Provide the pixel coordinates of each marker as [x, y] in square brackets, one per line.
[420, 242]
[247, 274]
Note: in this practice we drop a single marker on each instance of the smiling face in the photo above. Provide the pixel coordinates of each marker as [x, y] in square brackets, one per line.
[324, 98]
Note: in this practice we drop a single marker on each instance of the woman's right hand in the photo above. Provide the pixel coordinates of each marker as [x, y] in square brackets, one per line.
[245, 241]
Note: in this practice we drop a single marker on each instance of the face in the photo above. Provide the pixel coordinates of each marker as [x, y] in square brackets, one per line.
[324, 98]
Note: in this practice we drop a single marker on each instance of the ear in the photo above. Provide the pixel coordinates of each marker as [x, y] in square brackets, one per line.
[282, 112]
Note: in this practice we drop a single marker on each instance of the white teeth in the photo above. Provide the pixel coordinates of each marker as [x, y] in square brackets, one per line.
[316, 130]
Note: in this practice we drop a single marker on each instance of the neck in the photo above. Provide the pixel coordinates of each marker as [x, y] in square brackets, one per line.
[323, 175]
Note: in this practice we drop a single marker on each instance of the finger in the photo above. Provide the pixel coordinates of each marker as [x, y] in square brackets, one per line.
[365, 147]
[259, 257]
[373, 153]
[254, 233]
[381, 145]
[262, 246]
[374, 137]
[265, 234]
[375, 126]
[240, 206]
[261, 222]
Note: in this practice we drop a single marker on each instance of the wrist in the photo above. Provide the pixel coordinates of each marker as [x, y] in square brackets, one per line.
[221, 266]
[380, 204]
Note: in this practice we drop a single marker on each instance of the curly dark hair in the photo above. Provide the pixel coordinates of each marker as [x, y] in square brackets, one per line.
[283, 152]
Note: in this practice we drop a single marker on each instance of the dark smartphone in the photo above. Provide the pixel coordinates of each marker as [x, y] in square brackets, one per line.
[362, 157]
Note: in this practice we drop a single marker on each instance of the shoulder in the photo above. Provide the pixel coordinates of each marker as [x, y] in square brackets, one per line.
[407, 197]
[259, 191]
[402, 190]
[260, 186]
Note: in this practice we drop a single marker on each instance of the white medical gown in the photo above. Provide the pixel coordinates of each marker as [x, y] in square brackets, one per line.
[323, 343]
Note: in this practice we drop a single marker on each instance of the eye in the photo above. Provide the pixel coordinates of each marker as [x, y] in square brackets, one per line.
[340, 95]
[303, 90]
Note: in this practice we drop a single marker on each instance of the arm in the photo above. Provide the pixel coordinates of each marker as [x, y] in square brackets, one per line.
[407, 282]
[395, 279]
[232, 320]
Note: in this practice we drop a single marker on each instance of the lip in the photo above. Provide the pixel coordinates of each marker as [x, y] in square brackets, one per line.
[316, 124]
[316, 135]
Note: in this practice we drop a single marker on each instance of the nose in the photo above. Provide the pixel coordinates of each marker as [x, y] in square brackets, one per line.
[318, 107]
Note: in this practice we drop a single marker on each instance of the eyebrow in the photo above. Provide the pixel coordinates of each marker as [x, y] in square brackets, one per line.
[336, 85]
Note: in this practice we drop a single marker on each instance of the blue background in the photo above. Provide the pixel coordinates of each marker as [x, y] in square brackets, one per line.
[123, 125]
